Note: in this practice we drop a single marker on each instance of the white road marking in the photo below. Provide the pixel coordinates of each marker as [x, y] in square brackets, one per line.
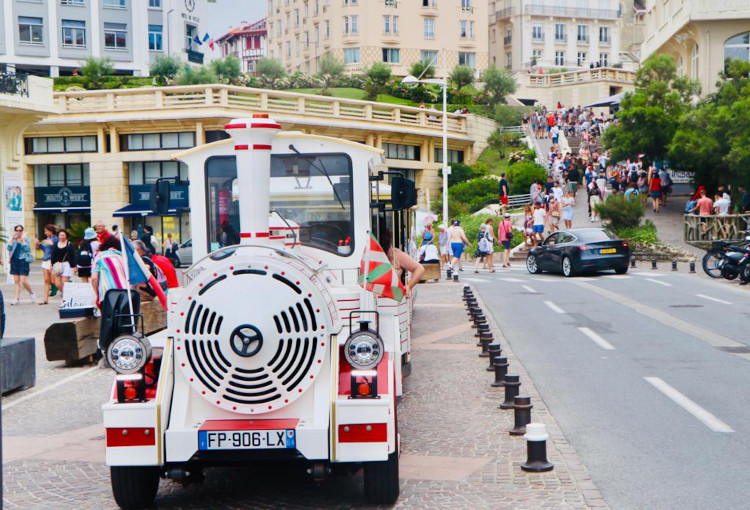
[649, 274]
[596, 338]
[511, 280]
[554, 307]
[717, 300]
[659, 282]
[617, 277]
[529, 289]
[688, 405]
[51, 387]
[473, 279]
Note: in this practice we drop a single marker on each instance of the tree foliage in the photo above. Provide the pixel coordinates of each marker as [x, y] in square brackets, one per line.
[462, 76]
[422, 69]
[270, 71]
[621, 212]
[522, 174]
[165, 68]
[713, 139]
[95, 69]
[649, 116]
[331, 70]
[189, 75]
[378, 74]
[227, 69]
[461, 172]
[498, 83]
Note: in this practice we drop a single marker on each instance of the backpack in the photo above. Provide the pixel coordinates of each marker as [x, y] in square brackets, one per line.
[84, 256]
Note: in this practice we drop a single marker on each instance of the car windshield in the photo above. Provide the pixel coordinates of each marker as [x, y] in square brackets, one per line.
[311, 192]
[594, 235]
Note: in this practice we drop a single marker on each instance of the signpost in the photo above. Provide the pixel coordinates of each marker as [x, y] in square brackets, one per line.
[78, 300]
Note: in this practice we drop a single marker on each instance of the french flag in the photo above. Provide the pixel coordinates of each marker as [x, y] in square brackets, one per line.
[137, 271]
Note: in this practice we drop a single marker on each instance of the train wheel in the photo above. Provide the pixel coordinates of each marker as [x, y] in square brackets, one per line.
[381, 480]
[134, 486]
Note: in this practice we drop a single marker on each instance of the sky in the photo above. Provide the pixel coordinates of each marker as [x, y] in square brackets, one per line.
[225, 14]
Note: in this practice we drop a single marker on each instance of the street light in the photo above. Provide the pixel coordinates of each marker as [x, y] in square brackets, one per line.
[169, 32]
[411, 80]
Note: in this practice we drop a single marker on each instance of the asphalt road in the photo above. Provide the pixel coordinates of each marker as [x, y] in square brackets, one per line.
[647, 375]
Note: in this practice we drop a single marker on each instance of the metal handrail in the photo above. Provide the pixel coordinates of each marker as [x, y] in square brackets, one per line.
[16, 84]
[577, 12]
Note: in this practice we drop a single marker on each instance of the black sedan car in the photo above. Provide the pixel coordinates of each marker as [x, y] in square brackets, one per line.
[579, 250]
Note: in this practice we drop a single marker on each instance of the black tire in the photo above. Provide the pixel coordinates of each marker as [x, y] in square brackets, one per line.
[710, 260]
[532, 264]
[566, 266]
[621, 270]
[134, 486]
[381, 480]
[730, 275]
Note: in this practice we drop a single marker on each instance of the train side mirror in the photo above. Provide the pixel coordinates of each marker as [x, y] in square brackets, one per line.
[159, 199]
[403, 193]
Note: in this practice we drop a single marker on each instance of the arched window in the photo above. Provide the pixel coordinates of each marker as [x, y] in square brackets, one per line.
[680, 66]
[738, 47]
[694, 63]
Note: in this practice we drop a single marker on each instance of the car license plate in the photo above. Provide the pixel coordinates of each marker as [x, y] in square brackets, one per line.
[246, 439]
[608, 250]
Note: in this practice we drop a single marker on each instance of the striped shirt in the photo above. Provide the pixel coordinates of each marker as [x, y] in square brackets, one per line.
[111, 270]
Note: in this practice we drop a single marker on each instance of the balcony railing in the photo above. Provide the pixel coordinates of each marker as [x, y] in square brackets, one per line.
[505, 13]
[582, 75]
[242, 99]
[16, 84]
[507, 39]
[571, 12]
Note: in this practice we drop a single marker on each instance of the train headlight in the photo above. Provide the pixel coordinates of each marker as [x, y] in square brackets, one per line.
[128, 354]
[364, 349]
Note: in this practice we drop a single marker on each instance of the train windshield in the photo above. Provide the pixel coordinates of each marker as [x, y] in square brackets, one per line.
[311, 192]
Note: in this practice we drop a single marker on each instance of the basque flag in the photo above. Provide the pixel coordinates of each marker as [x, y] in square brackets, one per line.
[138, 272]
[378, 273]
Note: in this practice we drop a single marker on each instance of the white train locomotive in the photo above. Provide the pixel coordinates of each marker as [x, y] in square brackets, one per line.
[273, 350]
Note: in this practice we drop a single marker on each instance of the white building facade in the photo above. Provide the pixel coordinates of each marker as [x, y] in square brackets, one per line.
[54, 37]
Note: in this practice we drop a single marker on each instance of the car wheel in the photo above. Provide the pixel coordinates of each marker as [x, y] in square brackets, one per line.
[621, 270]
[567, 267]
[532, 265]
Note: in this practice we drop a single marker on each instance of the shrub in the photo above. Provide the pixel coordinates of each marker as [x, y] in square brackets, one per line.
[522, 174]
[621, 212]
[464, 96]
[227, 69]
[462, 173]
[331, 69]
[378, 74]
[422, 94]
[97, 68]
[270, 71]
[165, 68]
[475, 193]
[462, 76]
[644, 234]
[195, 75]
[498, 83]
[422, 69]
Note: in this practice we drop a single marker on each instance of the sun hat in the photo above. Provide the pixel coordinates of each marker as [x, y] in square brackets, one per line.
[506, 215]
[456, 222]
[89, 234]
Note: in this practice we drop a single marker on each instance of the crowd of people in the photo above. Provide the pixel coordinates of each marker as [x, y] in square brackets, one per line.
[95, 259]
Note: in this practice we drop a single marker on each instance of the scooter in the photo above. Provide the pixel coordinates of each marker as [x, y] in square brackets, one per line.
[734, 263]
[712, 260]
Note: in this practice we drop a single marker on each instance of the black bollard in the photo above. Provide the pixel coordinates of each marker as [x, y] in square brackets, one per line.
[501, 369]
[653, 263]
[448, 274]
[536, 449]
[512, 385]
[455, 277]
[494, 350]
[482, 327]
[674, 265]
[522, 409]
[485, 341]
[632, 261]
[692, 266]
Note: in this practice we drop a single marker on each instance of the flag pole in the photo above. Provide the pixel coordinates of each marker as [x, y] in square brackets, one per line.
[127, 275]
[366, 275]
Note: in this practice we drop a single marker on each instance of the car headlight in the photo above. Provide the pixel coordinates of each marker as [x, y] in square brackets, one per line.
[128, 354]
[364, 349]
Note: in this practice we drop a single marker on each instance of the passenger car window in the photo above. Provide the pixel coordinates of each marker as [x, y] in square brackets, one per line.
[552, 240]
[566, 237]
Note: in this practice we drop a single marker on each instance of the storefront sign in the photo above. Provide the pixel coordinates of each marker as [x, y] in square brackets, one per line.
[12, 204]
[78, 300]
[679, 177]
[62, 197]
[178, 197]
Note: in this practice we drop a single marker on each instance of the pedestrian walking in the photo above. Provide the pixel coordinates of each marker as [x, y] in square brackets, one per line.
[64, 259]
[109, 269]
[504, 235]
[553, 214]
[20, 256]
[428, 236]
[485, 242]
[704, 206]
[149, 239]
[101, 231]
[540, 219]
[595, 198]
[86, 254]
[443, 244]
[528, 225]
[504, 192]
[655, 189]
[46, 245]
[458, 242]
[568, 205]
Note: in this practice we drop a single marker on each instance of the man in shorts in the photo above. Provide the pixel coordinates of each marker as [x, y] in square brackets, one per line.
[504, 192]
[704, 206]
[540, 218]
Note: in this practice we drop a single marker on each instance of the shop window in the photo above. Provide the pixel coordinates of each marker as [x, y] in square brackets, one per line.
[61, 175]
[400, 151]
[59, 144]
[454, 156]
[157, 141]
[147, 172]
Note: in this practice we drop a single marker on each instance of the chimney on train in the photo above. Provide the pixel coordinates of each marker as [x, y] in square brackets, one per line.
[253, 139]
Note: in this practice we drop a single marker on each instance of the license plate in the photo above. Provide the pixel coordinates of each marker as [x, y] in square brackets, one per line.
[246, 439]
[609, 250]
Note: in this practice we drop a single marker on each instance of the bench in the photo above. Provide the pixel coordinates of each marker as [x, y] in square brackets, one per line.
[431, 271]
[17, 364]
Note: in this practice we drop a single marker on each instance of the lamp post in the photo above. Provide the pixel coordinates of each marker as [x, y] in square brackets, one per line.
[169, 32]
[411, 80]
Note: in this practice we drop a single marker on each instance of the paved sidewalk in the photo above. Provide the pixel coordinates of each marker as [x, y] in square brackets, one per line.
[456, 450]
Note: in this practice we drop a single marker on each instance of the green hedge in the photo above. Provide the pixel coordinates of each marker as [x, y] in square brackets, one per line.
[522, 174]
[108, 82]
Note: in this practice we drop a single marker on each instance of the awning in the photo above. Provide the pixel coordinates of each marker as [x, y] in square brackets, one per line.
[610, 101]
[62, 209]
[139, 210]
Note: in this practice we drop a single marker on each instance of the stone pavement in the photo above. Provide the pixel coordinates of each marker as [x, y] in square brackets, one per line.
[456, 451]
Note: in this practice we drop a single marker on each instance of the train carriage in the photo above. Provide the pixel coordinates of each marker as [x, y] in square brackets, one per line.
[273, 350]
